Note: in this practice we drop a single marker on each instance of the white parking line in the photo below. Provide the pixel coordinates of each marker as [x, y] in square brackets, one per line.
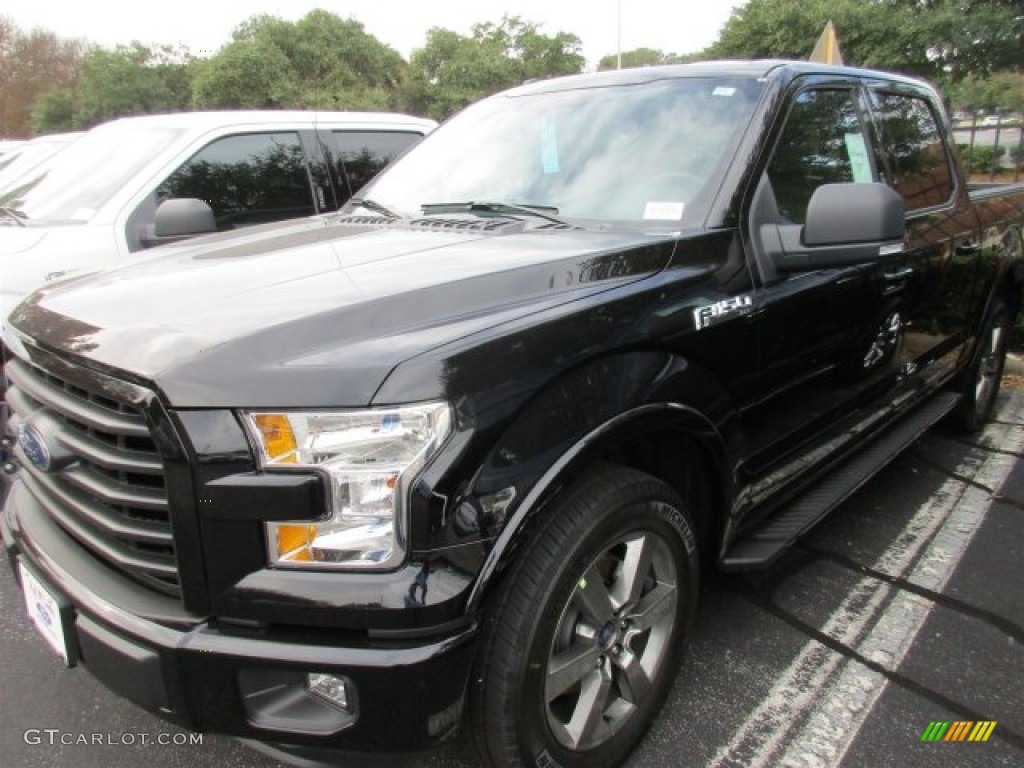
[814, 711]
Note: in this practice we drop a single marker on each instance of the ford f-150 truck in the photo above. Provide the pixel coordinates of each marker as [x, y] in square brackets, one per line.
[453, 456]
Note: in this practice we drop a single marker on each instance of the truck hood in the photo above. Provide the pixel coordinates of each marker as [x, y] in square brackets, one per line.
[319, 312]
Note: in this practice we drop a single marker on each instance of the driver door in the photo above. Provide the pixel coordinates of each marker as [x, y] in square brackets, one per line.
[828, 338]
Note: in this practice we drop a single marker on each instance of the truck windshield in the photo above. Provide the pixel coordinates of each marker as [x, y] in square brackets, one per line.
[634, 154]
[74, 183]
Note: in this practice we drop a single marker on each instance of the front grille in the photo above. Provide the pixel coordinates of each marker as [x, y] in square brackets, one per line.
[112, 497]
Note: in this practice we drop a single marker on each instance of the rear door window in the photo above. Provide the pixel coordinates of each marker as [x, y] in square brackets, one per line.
[912, 143]
[360, 155]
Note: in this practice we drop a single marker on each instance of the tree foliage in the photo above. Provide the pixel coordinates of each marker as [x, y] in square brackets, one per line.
[130, 80]
[453, 70]
[54, 111]
[1003, 90]
[325, 61]
[644, 57]
[320, 61]
[31, 63]
[127, 80]
[941, 39]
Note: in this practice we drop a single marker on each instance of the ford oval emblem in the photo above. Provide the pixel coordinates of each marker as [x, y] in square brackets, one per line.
[34, 446]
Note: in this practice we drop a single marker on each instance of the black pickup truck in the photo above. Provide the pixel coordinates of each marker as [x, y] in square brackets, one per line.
[454, 456]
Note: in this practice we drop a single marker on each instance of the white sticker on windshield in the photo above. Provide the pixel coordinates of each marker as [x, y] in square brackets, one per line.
[664, 211]
[83, 213]
[723, 90]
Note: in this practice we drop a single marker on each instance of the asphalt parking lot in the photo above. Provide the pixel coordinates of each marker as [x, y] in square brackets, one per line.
[903, 608]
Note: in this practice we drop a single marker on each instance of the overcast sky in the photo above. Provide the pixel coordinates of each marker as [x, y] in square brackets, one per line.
[679, 26]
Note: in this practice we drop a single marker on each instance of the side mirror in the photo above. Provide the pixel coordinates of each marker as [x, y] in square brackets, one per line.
[181, 217]
[846, 224]
[842, 214]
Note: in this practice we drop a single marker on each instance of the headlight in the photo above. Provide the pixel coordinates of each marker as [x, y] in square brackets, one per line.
[368, 458]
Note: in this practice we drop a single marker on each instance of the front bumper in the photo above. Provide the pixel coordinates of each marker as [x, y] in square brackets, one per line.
[243, 682]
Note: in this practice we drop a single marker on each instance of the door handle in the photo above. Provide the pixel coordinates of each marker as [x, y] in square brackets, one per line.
[899, 275]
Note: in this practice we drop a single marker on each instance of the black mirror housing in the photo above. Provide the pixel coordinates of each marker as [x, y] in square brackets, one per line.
[845, 214]
[847, 224]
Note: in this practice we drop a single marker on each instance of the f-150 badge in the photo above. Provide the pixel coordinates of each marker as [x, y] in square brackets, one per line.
[705, 316]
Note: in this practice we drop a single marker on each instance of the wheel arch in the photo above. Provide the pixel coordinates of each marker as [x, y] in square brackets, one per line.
[1009, 283]
[649, 438]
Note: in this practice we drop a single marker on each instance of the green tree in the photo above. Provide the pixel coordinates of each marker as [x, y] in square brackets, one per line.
[54, 111]
[319, 61]
[644, 57]
[31, 63]
[453, 70]
[129, 80]
[1002, 90]
[942, 39]
[968, 37]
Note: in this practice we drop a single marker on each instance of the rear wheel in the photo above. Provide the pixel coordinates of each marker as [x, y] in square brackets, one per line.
[981, 383]
[585, 636]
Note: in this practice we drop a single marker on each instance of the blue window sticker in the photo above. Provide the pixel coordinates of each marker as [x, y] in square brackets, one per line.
[549, 147]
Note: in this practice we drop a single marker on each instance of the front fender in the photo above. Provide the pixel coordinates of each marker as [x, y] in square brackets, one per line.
[583, 416]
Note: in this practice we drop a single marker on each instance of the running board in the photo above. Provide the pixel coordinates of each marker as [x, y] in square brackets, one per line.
[762, 545]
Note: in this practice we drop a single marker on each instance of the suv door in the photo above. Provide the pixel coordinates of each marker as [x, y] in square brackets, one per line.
[827, 337]
[937, 277]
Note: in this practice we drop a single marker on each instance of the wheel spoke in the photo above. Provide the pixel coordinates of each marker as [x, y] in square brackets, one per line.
[633, 572]
[654, 606]
[591, 596]
[588, 719]
[569, 668]
[634, 683]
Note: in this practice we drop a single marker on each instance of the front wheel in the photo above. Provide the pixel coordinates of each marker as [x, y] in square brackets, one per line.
[586, 634]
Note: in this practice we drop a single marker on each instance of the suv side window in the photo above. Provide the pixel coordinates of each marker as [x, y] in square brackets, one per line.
[247, 179]
[360, 155]
[823, 142]
[912, 143]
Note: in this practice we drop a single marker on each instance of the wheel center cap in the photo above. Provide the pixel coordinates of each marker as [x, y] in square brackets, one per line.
[608, 635]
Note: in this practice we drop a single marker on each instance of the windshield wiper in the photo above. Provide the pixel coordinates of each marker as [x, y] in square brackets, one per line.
[13, 214]
[547, 212]
[373, 205]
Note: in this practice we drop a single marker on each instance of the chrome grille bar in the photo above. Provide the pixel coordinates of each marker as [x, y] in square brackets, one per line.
[111, 498]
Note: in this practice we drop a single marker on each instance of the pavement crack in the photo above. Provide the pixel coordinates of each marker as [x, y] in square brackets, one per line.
[950, 473]
[991, 618]
[760, 600]
[986, 448]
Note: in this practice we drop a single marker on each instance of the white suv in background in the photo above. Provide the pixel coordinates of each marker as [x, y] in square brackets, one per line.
[95, 203]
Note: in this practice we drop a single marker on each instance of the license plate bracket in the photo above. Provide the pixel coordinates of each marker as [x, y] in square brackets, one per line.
[52, 616]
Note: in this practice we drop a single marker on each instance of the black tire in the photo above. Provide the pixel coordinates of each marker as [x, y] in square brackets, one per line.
[609, 579]
[980, 384]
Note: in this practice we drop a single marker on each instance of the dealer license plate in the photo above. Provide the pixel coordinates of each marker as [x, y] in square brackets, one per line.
[45, 612]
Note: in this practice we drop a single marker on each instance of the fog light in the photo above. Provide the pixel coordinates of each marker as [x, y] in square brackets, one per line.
[330, 688]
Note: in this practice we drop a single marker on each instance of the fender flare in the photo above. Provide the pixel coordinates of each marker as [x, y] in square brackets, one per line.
[686, 420]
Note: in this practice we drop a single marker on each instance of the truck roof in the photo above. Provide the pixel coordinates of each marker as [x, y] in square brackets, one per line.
[757, 68]
[219, 118]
